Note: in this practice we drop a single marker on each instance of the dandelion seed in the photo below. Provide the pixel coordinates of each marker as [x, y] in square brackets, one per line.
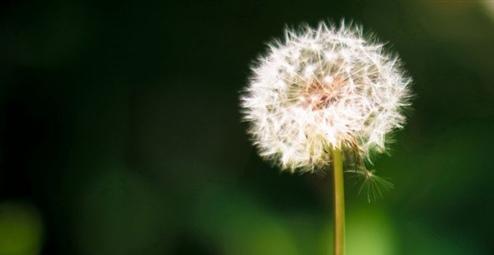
[372, 185]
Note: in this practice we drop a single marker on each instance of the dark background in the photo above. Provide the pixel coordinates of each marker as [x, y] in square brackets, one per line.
[120, 131]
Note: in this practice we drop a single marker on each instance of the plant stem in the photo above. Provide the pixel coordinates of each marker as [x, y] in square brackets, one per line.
[338, 204]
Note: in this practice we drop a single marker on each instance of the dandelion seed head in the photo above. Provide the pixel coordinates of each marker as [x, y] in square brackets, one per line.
[322, 88]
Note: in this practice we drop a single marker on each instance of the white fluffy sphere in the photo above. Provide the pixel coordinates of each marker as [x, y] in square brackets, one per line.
[322, 89]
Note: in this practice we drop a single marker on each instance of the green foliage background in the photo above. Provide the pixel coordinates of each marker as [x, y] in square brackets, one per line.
[120, 131]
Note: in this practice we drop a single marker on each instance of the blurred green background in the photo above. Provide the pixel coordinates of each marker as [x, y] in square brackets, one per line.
[120, 132]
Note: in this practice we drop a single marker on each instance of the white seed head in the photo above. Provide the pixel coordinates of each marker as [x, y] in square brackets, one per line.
[320, 89]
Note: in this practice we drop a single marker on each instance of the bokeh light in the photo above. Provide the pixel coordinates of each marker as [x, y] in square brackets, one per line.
[21, 229]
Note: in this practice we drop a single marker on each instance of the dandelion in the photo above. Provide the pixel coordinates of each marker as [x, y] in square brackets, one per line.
[323, 88]
[319, 94]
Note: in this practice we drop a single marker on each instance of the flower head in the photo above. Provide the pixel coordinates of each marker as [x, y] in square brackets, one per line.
[321, 89]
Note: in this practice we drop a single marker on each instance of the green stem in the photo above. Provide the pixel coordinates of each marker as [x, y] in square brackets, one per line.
[338, 204]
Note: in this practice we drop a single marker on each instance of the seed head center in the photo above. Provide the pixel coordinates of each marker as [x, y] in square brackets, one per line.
[318, 94]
